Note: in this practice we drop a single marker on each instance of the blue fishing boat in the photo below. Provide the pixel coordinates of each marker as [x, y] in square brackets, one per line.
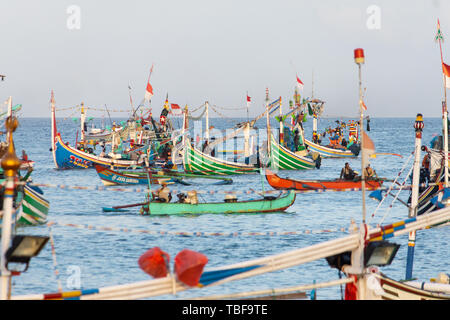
[68, 157]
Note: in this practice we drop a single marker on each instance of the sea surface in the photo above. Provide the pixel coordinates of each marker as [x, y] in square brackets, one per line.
[89, 258]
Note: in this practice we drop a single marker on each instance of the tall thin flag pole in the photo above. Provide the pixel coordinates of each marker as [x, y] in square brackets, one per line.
[248, 118]
[131, 99]
[359, 59]
[444, 108]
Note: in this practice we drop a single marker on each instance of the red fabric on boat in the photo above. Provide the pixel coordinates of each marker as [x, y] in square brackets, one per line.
[189, 266]
[155, 262]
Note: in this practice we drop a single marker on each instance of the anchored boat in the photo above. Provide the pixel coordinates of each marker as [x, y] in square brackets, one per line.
[268, 204]
[302, 185]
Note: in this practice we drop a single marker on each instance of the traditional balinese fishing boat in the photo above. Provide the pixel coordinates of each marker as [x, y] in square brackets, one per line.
[34, 207]
[111, 177]
[303, 185]
[328, 152]
[68, 157]
[334, 149]
[197, 162]
[268, 204]
[281, 158]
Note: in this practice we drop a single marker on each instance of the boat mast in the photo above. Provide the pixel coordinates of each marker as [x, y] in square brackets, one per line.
[52, 102]
[82, 121]
[281, 124]
[268, 122]
[444, 110]
[359, 59]
[9, 115]
[418, 126]
[207, 121]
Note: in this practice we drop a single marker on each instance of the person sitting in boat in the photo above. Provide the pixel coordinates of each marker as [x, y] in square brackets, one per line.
[168, 164]
[426, 167]
[24, 156]
[315, 137]
[297, 140]
[370, 173]
[347, 172]
[163, 194]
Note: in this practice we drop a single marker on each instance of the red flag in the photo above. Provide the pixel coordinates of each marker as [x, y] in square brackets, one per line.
[176, 110]
[249, 99]
[446, 70]
[149, 89]
[148, 92]
[299, 83]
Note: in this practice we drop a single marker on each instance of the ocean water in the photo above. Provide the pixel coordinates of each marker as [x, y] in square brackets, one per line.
[89, 258]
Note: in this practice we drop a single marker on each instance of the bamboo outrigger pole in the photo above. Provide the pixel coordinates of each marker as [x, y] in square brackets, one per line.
[440, 38]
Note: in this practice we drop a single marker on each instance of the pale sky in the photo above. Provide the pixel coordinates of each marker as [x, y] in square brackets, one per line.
[219, 50]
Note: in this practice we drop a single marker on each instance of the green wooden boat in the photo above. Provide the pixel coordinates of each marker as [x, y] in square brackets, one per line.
[268, 204]
[197, 162]
[284, 159]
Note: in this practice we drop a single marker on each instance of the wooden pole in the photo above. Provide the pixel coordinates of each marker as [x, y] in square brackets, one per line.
[281, 124]
[363, 164]
[418, 126]
[444, 111]
[207, 121]
[268, 122]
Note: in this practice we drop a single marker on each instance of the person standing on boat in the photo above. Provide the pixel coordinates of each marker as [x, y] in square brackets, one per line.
[347, 172]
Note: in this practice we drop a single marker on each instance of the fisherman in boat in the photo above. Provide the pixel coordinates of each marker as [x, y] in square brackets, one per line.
[370, 173]
[426, 167]
[24, 156]
[347, 173]
[163, 194]
[297, 140]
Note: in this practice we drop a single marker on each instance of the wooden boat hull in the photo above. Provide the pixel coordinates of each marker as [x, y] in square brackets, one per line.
[199, 163]
[111, 177]
[303, 185]
[34, 208]
[395, 290]
[284, 159]
[327, 152]
[31, 208]
[68, 157]
[253, 206]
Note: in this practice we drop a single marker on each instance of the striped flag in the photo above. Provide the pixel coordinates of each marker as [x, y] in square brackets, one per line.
[149, 89]
[148, 92]
[439, 36]
[299, 83]
[446, 70]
